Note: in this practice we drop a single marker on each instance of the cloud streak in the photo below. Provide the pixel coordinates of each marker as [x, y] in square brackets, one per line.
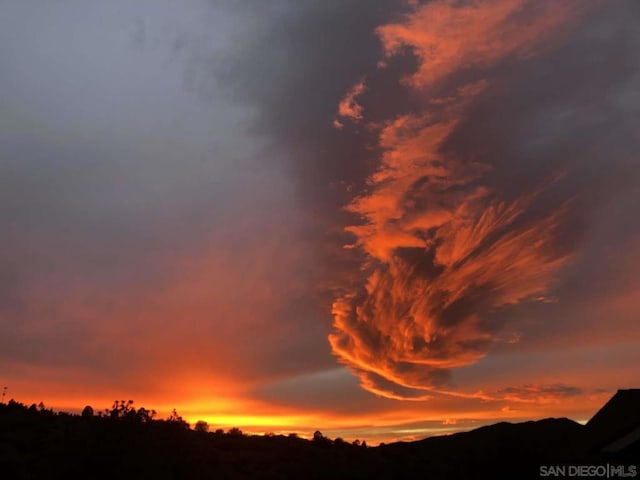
[445, 251]
[449, 37]
[349, 106]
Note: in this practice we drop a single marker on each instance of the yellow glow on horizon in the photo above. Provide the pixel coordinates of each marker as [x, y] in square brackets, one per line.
[231, 407]
[239, 420]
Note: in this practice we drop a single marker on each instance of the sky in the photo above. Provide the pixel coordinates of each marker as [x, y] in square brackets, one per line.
[379, 219]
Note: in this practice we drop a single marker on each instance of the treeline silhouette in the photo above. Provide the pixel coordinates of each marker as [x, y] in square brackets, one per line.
[128, 442]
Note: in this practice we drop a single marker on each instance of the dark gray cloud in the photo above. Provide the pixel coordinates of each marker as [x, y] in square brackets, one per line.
[295, 72]
[127, 166]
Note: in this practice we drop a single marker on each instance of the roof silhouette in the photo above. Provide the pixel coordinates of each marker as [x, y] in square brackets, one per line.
[619, 417]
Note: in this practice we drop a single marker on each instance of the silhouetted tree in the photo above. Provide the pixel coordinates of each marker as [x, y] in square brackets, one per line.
[87, 411]
[122, 409]
[143, 415]
[41, 408]
[320, 439]
[201, 426]
[176, 419]
[235, 432]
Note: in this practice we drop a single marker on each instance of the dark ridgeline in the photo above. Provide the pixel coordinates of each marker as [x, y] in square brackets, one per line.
[125, 442]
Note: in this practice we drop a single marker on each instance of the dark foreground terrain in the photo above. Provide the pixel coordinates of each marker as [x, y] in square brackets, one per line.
[127, 443]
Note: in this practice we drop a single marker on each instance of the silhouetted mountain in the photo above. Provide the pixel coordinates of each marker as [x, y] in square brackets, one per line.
[125, 442]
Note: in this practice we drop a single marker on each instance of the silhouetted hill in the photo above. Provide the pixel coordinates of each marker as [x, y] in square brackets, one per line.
[127, 443]
[503, 450]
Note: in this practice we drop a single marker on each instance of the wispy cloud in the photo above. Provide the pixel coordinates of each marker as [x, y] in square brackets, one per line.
[349, 107]
[451, 37]
[444, 249]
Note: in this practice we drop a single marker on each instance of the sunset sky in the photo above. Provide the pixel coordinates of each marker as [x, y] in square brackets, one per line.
[380, 219]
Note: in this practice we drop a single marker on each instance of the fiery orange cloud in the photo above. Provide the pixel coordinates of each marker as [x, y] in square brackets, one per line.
[349, 106]
[449, 36]
[445, 252]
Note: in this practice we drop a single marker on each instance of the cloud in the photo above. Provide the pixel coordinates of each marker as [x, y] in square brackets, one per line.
[449, 37]
[540, 393]
[349, 106]
[456, 233]
[144, 227]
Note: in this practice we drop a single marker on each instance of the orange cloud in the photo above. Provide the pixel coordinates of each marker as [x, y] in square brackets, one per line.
[450, 36]
[444, 252]
[349, 106]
